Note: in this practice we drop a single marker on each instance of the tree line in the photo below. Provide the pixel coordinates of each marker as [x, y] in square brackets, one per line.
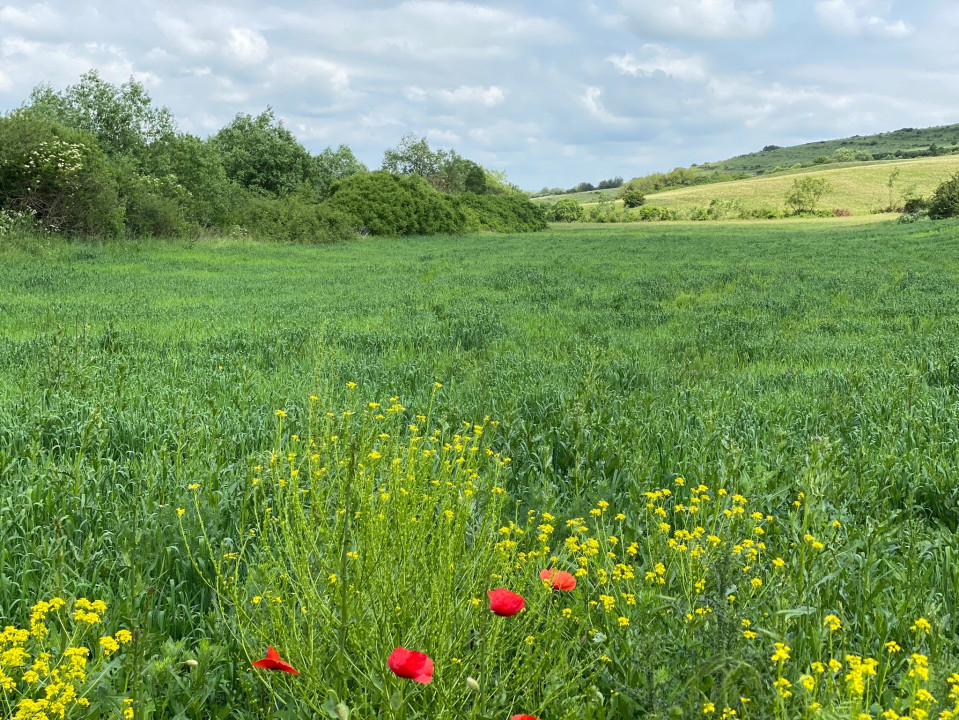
[97, 159]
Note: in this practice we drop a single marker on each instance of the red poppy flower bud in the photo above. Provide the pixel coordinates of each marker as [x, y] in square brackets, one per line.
[505, 602]
[560, 579]
[523, 717]
[412, 665]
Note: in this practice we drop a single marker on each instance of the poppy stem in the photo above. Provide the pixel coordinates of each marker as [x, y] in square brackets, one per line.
[480, 703]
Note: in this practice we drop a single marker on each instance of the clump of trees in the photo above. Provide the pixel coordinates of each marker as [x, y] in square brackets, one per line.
[98, 159]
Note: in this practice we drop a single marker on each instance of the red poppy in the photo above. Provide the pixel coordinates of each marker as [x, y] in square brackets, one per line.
[412, 665]
[272, 662]
[523, 717]
[561, 579]
[505, 602]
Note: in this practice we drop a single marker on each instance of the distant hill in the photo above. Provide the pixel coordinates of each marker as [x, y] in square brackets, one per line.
[861, 189]
[905, 143]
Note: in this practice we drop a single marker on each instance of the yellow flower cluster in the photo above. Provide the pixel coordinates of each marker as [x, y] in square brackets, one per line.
[51, 679]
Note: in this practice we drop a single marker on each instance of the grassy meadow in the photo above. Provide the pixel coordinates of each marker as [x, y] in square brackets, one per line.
[742, 440]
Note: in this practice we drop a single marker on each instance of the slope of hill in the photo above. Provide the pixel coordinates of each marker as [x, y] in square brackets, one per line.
[883, 146]
[860, 189]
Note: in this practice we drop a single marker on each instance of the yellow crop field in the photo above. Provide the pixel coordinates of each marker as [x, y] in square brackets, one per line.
[860, 189]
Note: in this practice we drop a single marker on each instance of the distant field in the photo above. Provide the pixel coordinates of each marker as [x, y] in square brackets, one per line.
[857, 188]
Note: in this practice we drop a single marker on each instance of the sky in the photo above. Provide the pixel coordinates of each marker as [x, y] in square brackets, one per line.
[554, 93]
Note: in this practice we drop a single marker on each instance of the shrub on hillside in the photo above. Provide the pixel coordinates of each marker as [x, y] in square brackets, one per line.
[565, 210]
[944, 202]
[508, 213]
[632, 196]
[58, 175]
[395, 205]
[649, 213]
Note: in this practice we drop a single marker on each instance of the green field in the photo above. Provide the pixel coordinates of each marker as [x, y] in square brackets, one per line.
[764, 359]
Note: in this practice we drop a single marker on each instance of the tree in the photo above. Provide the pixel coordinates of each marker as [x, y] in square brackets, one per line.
[805, 194]
[413, 156]
[260, 153]
[632, 196]
[123, 119]
[332, 165]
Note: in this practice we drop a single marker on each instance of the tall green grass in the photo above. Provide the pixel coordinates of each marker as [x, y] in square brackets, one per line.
[782, 356]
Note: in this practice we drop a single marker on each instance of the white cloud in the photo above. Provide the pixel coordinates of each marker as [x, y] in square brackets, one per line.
[857, 17]
[248, 46]
[442, 137]
[307, 70]
[36, 17]
[474, 95]
[701, 18]
[592, 100]
[658, 59]
[5, 82]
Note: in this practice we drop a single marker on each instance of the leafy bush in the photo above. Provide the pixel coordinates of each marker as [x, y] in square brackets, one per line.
[509, 213]
[58, 175]
[908, 218]
[153, 205]
[565, 210]
[765, 212]
[295, 218]
[394, 205]
[915, 205]
[604, 211]
[944, 202]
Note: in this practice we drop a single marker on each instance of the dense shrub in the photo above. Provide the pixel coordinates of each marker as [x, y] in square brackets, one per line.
[153, 206]
[650, 213]
[842, 212]
[915, 205]
[944, 202]
[198, 168]
[510, 213]
[58, 175]
[565, 210]
[765, 212]
[294, 218]
[394, 205]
